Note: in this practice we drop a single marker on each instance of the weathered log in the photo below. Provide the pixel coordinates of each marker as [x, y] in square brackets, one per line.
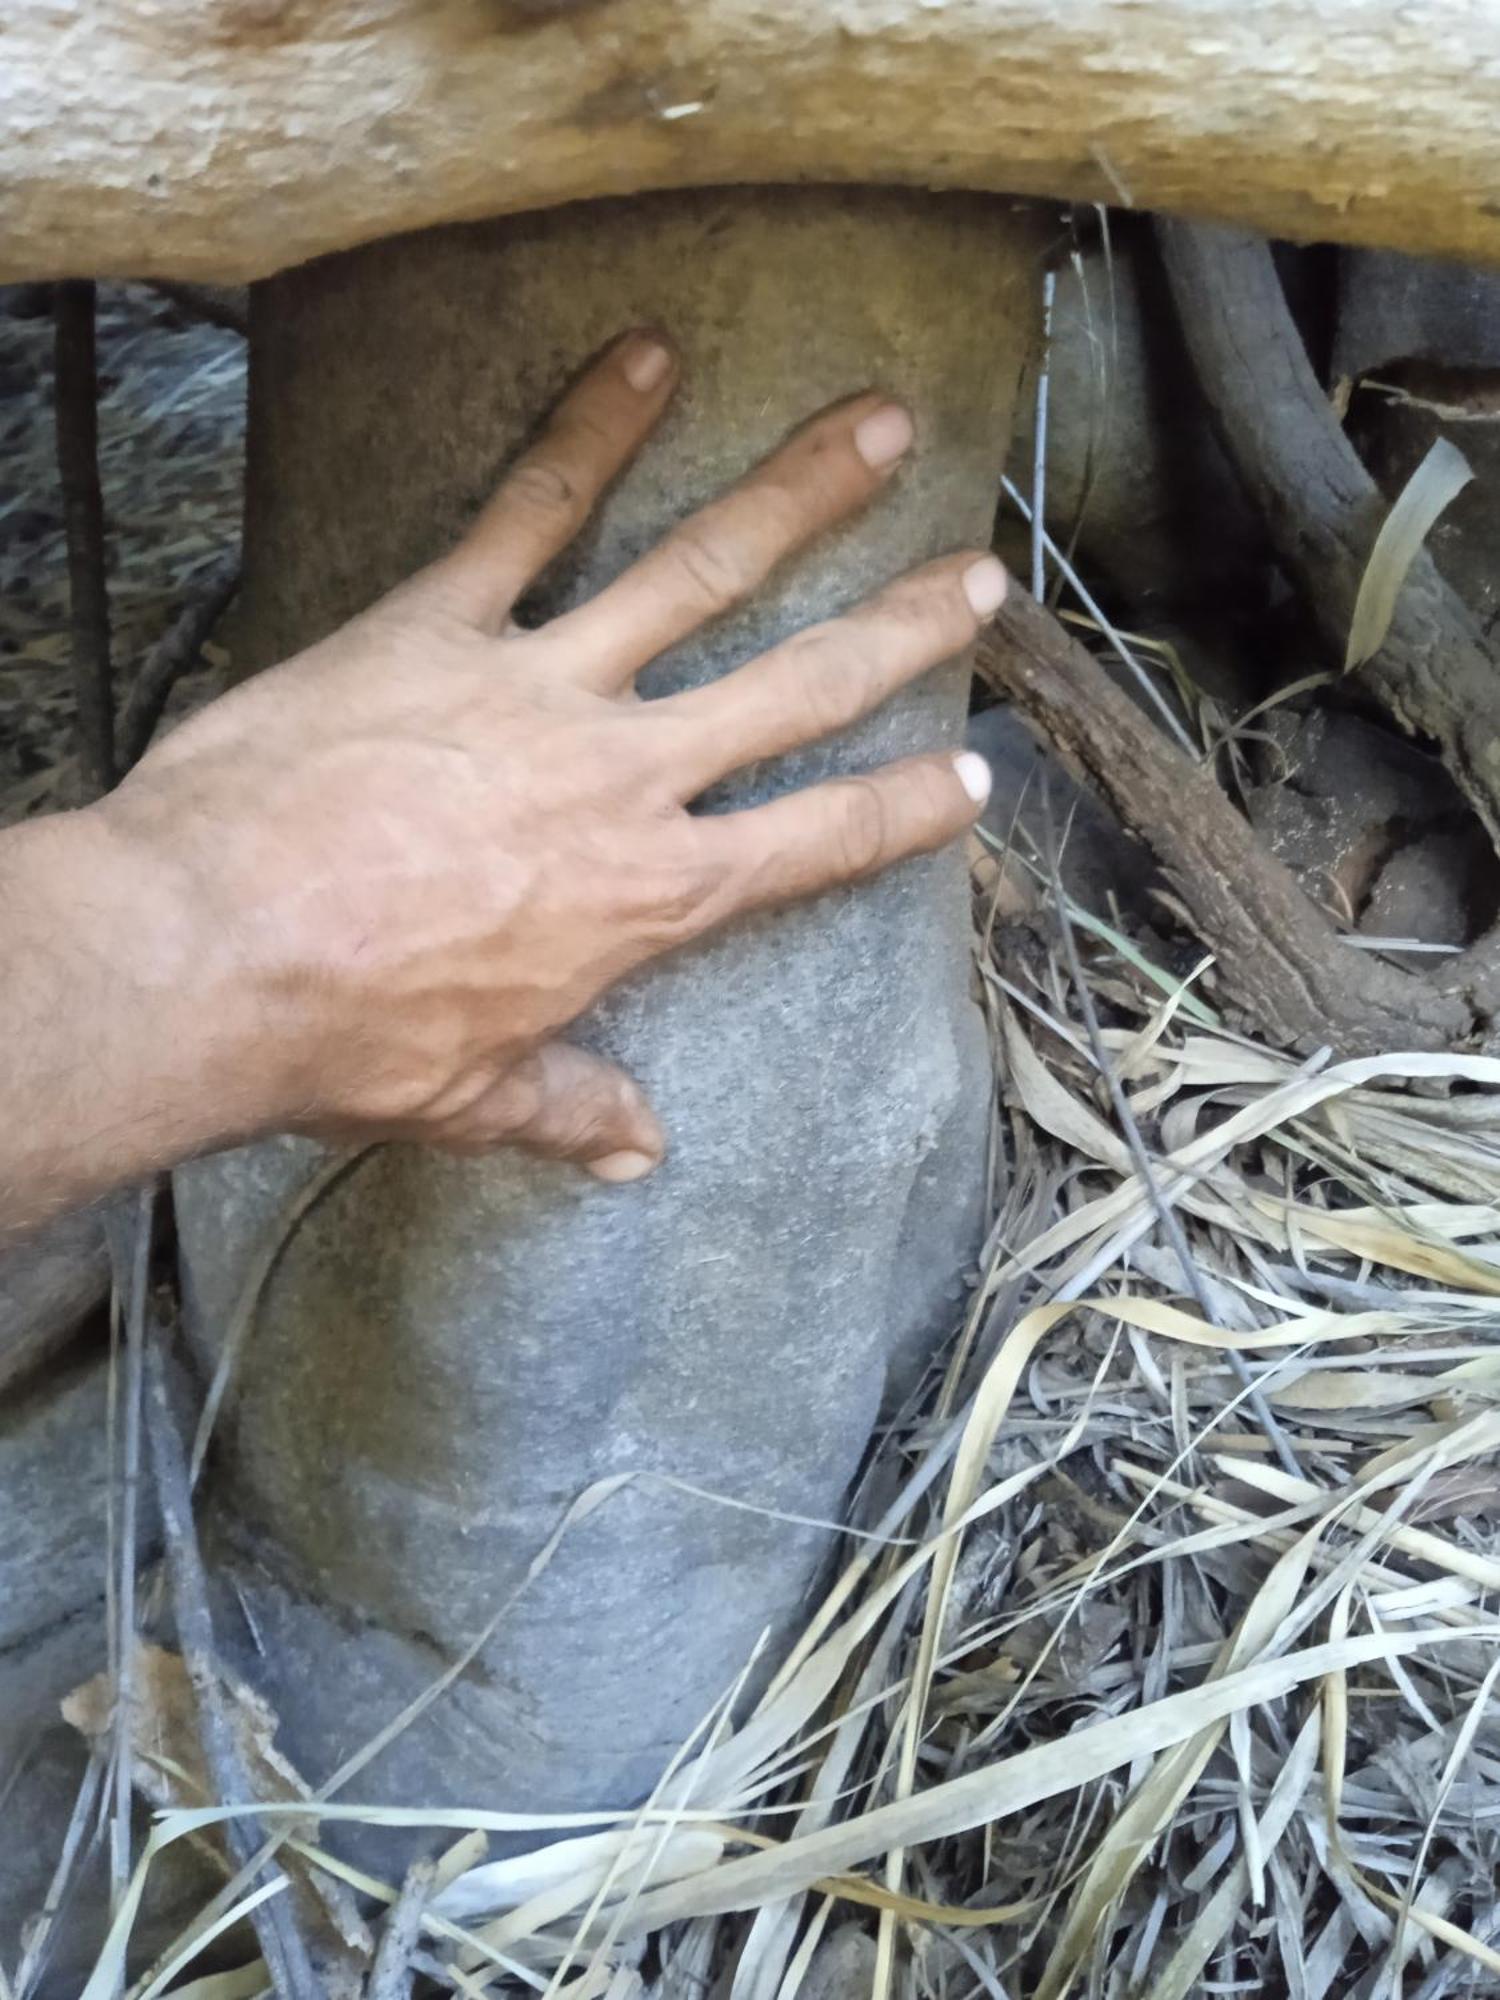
[224, 139]
[1279, 958]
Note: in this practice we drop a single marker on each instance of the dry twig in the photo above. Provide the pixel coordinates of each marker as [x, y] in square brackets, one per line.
[1433, 673]
[173, 655]
[281, 1944]
[391, 1974]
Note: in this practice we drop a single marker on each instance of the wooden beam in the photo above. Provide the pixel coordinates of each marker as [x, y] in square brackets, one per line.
[224, 139]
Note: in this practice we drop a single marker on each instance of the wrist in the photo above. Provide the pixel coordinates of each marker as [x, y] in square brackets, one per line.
[190, 1029]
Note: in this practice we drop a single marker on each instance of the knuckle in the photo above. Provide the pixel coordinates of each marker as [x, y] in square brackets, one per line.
[577, 1129]
[681, 903]
[861, 827]
[931, 606]
[714, 568]
[623, 1093]
[517, 1101]
[545, 487]
[910, 600]
[936, 807]
[823, 456]
[832, 678]
[416, 1089]
[934, 791]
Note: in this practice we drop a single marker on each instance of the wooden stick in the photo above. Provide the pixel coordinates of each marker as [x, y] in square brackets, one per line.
[390, 1978]
[281, 1943]
[174, 653]
[77, 427]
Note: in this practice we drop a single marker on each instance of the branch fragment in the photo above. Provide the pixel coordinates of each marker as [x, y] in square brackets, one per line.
[391, 1975]
[1279, 957]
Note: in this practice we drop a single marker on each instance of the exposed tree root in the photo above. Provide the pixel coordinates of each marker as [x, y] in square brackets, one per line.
[1434, 674]
[1279, 958]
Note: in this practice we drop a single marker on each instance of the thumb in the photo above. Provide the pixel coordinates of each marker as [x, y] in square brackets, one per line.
[567, 1104]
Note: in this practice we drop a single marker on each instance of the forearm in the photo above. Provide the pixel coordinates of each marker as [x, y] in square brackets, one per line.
[124, 1050]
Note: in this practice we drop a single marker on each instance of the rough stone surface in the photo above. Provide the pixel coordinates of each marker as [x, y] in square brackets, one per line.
[1136, 485]
[1395, 308]
[1423, 891]
[843, 1966]
[49, 1286]
[450, 1352]
[1034, 796]
[54, 1472]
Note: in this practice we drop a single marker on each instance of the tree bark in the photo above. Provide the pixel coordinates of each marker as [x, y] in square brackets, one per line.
[225, 139]
[449, 1353]
[1280, 961]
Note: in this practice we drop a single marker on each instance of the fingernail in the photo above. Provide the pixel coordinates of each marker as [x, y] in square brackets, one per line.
[984, 586]
[627, 1166]
[973, 775]
[647, 361]
[883, 436]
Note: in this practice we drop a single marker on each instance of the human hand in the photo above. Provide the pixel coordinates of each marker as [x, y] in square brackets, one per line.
[427, 844]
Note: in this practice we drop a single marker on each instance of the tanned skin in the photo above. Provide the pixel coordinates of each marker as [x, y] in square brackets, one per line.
[362, 895]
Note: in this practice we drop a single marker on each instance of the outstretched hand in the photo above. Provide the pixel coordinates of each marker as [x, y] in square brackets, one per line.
[434, 839]
[389, 872]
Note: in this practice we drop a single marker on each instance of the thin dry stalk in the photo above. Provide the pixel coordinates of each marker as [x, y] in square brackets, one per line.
[77, 420]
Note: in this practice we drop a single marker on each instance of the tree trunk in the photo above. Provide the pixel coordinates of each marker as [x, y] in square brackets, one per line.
[449, 1353]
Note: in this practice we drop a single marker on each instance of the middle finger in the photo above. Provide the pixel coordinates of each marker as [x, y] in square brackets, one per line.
[724, 552]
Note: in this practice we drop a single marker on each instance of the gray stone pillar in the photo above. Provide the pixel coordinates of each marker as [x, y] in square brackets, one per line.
[451, 1351]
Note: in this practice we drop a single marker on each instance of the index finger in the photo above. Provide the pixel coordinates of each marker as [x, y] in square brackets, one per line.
[544, 500]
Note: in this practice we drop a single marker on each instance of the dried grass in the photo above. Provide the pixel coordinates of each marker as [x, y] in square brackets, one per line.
[1106, 1701]
[171, 450]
